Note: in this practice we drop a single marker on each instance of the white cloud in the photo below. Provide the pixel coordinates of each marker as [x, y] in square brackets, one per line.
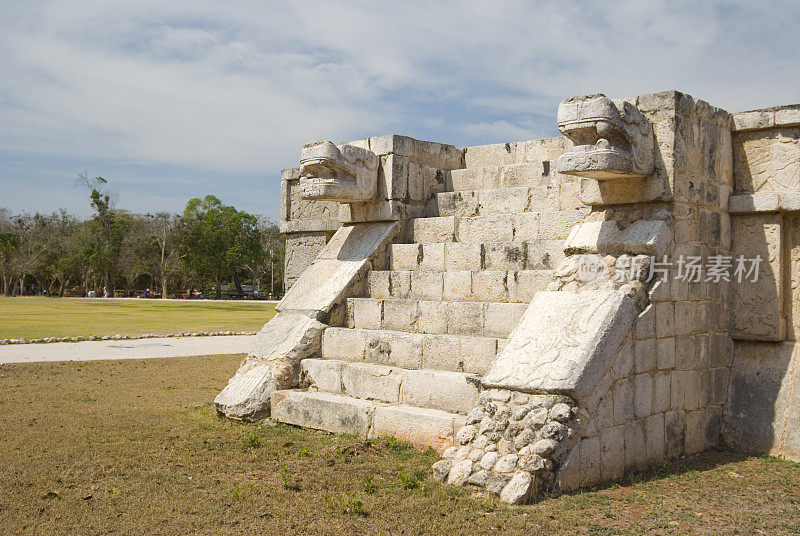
[236, 88]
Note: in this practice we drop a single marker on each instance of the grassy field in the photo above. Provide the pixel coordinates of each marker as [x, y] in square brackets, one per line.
[70, 317]
[135, 447]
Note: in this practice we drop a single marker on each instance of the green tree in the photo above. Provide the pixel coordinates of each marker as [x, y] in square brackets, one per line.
[52, 236]
[149, 251]
[9, 245]
[267, 269]
[110, 226]
[217, 241]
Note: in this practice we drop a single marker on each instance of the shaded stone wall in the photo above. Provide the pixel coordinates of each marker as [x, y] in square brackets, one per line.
[665, 392]
[764, 403]
[301, 249]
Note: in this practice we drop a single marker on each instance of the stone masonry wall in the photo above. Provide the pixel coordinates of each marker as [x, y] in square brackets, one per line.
[672, 371]
[307, 226]
[529, 163]
[765, 206]
[664, 394]
[301, 249]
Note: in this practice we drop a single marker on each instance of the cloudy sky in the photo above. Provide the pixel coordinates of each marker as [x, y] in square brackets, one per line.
[172, 100]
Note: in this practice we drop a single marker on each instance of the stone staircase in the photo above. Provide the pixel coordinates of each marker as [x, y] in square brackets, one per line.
[408, 361]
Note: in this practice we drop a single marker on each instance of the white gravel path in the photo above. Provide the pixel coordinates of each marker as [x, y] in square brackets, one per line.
[125, 349]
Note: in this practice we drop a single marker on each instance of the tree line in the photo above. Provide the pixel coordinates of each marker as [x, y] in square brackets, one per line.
[208, 248]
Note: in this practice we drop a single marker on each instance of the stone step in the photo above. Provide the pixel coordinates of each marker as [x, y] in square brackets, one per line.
[515, 200]
[523, 226]
[458, 353]
[516, 286]
[500, 176]
[501, 154]
[476, 256]
[488, 319]
[444, 390]
[343, 414]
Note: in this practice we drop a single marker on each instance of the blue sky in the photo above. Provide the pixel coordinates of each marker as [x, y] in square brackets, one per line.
[172, 100]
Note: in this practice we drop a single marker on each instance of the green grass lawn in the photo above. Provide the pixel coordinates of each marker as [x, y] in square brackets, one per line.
[33, 318]
[134, 447]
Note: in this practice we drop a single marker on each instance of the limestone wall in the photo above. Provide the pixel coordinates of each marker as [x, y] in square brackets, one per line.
[664, 394]
[529, 163]
[307, 226]
[763, 403]
[301, 249]
[410, 173]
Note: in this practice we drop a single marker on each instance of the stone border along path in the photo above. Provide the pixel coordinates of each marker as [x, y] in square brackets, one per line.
[118, 337]
[134, 349]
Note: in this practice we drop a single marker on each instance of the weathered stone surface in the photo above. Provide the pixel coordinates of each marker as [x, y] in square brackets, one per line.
[441, 469]
[779, 116]
[433, 230]
[347, 173]
[498, 154]
[506, 463]
[343, 261]
[367, 314]
[643, 237]
[613, 139]
[450, 453]
[561, 412]
[757, 304]
[247, 394]
[302, 247]
[564, 343]
[367, 380]
[763, 399]
[323, 411]
[612, 448]
[519, 488]
[544, 447]
[591, 236]
[767, 161]
[419, 426]
[792, 233]
[438, 389]
[273, 364]
[462, 353]
[460, 472]
[344, 344]
[749, 203]
[495, 483]
[489, 460]
[322, 374]
[533, 463]
[479, 478]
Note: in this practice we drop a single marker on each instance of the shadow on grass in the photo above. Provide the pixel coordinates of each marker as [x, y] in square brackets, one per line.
[698, 464]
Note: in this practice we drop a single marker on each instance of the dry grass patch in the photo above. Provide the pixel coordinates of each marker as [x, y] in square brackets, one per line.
[134, 447]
